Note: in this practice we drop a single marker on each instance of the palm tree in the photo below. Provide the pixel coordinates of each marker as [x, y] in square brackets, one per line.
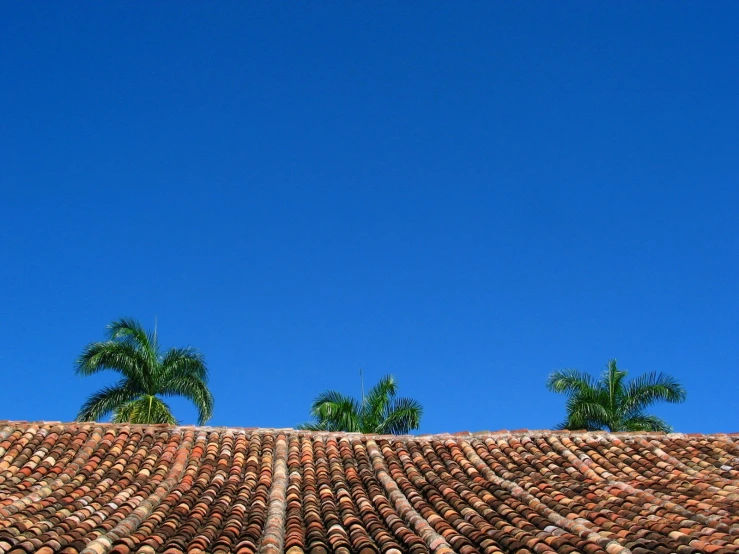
[147, 375]
[379, 412]
[613, 404]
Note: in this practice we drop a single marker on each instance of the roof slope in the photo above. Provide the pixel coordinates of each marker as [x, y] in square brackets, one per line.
[97, 488]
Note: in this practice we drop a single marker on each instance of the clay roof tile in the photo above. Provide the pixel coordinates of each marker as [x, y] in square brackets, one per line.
[95, 488]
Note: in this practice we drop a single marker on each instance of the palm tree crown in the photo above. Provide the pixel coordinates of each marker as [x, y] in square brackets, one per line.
[379, 412]
[612, 403]
[147, 374]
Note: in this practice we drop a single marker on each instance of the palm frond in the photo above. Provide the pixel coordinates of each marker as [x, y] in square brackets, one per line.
[123, 414]
[147, 410]
[317, 426]
[612, 382]
[130, 331]
[339, 411]
[107, 400]
[328, 402]
[568, 381]
[184, 362]
[646, 423]
[195, 390]
[134, 353]
[116, 356]
[403, 416]
[383, 391]
[588, 409]
[650, 388]
[610, 402]
[376, 404]
[378, 412]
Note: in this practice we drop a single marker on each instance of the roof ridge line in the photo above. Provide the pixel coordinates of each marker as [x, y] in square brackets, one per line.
[426, 436]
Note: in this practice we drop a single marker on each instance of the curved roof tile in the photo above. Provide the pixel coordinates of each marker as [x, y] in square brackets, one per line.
[101, 488]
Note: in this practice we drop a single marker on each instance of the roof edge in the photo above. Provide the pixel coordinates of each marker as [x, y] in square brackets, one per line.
[434, 436]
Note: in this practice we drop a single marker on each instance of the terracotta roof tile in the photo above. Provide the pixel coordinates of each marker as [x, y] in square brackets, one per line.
[99, 488]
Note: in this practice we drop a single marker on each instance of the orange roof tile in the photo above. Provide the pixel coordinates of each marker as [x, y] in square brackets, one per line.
[97, 488]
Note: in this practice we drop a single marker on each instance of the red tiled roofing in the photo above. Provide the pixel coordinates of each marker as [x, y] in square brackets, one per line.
[98, 488]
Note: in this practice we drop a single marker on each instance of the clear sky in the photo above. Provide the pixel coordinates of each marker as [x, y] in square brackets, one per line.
[467, 195]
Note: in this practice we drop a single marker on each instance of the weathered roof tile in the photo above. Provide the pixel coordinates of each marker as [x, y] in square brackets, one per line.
[99, 488]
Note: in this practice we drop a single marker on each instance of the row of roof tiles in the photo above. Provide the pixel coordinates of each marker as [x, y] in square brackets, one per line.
[273, 430]
[99, 488]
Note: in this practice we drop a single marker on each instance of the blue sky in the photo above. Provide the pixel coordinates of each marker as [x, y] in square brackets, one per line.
[467, 195]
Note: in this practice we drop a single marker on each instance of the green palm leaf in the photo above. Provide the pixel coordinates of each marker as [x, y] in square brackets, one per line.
[107, 400]
[643, 422]
[403, 415]
[376, 404]
[333, 409]
[147, 375]
[147, 410]
[378, 412]
[121, 357]
[184, 361]
[193, 389]
[610, 403]
[587, 409]
[650, 388]
[129, 331]
[318, 426]
[569, 381]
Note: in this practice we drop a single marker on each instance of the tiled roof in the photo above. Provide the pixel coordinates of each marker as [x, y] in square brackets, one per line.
[97, 488]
